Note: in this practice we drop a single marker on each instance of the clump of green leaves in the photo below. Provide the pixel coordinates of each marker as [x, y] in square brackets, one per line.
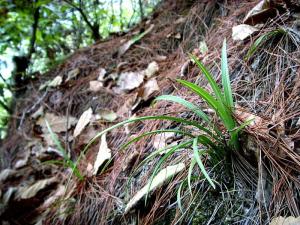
[67, 161]
[210, 140]
[261, 40]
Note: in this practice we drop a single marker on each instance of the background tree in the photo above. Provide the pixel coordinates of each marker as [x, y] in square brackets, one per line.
[37, 34]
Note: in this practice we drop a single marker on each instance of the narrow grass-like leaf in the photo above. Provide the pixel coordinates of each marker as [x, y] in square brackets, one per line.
[157, 168]
[186, 104]
[191, 107]
[67, 161]
[235, 133]
[56, 141]
[170, 118]
[136, 139]
[226, 79]
[209, 77]
[200, 164]
[262, 39]
[179, 197]
[220, 109]
[242, 126]
[182, 145]
[192, 165]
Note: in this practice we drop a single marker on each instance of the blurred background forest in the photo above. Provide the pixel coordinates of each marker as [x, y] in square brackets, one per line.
[36, 35]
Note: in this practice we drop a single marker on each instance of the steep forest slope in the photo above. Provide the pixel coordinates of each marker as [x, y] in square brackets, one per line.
[60, 113]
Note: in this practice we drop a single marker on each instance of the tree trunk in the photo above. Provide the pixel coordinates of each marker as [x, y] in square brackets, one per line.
[36, 17]
[96, 33]
[94, 28]
[141, 9]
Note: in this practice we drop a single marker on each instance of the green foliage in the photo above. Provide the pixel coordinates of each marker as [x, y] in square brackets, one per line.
[210, 142]
[263, 39]
[67, 161]
[61, 28]
[4, 115]
[61, 25]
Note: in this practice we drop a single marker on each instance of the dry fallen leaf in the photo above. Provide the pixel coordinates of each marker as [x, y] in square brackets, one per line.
[125, 110]
[57, 123]
[87, 135]
[102, 73]
[103, 155]
[152, 69]
[177, 36]
[128, 44]
[160, 58]
[242, 31]
[257, 122]
[59, 192]
[53, 83]
[285, 221]
[84, 120]
[185, 68]
[180, 20]
[130, 80]
[203, 47]
[72, 74]
[125, 47]
[161, 140]
[89, 170]
[28, 192]
[150, 87]
[128, 127]
[260, 13]
[6, 173]
[8, 195]
[38, 113]
[157, 181]
[23, 162]
[107, 115]
[95, 85]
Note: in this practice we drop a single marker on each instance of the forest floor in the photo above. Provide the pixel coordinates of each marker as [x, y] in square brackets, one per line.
[118, 79]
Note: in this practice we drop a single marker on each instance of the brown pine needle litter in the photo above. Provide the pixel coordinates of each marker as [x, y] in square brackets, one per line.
[255, 185]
